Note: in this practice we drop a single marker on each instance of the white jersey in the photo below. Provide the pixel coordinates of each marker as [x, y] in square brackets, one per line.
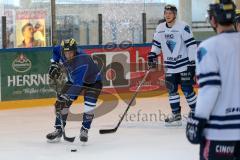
[218, 71]
[177, 45]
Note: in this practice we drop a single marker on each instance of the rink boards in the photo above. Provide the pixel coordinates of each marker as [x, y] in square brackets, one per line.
[24, 71]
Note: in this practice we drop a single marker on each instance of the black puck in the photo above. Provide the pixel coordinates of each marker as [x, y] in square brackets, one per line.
[73, 150]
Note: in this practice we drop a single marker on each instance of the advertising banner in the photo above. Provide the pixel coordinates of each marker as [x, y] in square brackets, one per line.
[24, 72]
[30, 28]
[123, 68]
[24, 75]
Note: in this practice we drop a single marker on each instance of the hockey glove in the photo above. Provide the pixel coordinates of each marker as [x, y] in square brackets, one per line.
[152, 60]
[54, 70]
[194, 129]
[63, 101]
[191, 70]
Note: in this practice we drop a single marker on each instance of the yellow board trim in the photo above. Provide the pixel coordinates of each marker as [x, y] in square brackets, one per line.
[49, 102]
[216, 1]
[228, 7]
[6, 105]
[238, 11]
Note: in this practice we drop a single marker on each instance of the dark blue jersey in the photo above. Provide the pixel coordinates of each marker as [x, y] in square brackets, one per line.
[81, 69]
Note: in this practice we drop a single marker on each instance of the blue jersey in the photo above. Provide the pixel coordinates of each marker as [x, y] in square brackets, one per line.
[80, 71]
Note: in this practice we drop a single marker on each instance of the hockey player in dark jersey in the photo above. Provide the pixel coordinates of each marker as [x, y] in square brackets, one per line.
[83, 77]
[216, 122]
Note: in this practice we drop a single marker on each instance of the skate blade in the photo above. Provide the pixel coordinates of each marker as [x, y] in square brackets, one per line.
[173, 124]
[56, 140]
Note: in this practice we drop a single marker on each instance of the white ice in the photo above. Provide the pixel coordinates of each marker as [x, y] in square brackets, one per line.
[23, 131]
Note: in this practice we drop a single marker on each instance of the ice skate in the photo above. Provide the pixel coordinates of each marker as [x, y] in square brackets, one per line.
[54, 136]
[83, 135]
[174, 120]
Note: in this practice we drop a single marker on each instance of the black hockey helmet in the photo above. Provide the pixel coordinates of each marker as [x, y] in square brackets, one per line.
[237, 17]
[69, 45]
[171, 7]
[223, 11]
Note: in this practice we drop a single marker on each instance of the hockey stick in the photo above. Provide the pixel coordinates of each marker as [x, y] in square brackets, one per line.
[69, 139]
[107, 131]
[59, 116]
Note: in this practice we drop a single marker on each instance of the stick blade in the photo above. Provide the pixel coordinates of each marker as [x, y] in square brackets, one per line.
[69, 139]
[107, 131]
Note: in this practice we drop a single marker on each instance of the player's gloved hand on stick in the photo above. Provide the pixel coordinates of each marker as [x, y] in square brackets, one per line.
[63, 101]
[54, 70]
[194, 129]
[152, 60]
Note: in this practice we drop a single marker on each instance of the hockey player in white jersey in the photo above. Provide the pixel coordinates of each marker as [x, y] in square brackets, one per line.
[175, 40]
[237, 20]
[216, 123]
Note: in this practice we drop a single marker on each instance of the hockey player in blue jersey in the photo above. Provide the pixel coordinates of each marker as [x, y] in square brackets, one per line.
[175, 40]
[83, 78]
[216, 123]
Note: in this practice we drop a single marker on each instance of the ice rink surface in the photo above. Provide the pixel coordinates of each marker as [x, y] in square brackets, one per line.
[142, 135]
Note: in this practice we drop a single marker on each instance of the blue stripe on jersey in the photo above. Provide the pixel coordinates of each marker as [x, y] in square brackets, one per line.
[192, 43]
[211, 78]
[177, 66]
[170, 98]
[191, 95]
[160, 31]
[189, 40]
[225, 118]
[223, 126]
[210, 82]
[158, 46]
[90, 104]
[176, 62]
[156, 43]
[152, 55]
[210, 74]
[90, 99]
[192, 99]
